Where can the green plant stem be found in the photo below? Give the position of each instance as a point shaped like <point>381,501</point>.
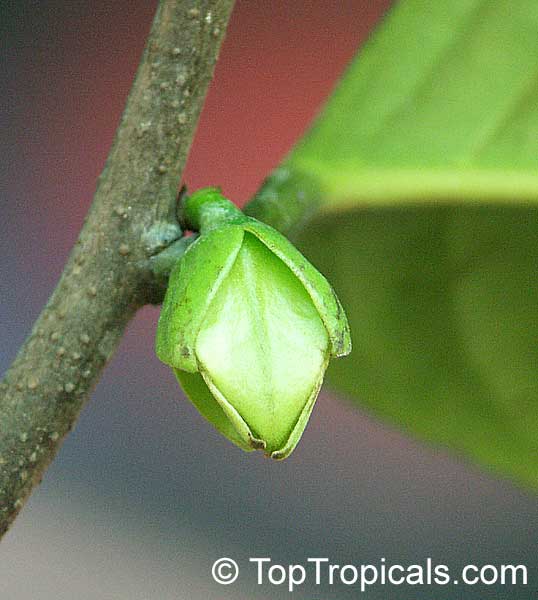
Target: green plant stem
<point>287,199</point>
<point>109,274</point>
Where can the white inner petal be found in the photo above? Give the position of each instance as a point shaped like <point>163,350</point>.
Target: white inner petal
<point>263,342</point>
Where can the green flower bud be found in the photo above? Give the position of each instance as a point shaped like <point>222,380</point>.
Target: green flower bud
<point>248,325</point>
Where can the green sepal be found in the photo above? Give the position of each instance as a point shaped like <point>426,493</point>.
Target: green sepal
<point>198,393</point>
<point>193,283</point>
<point>318,288</point>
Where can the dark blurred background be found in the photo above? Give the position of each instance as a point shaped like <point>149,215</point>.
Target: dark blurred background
<point>144,495</point>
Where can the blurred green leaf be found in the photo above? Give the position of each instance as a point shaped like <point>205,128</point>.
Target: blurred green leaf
<point>428,157</point>
<point>441,104</point>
